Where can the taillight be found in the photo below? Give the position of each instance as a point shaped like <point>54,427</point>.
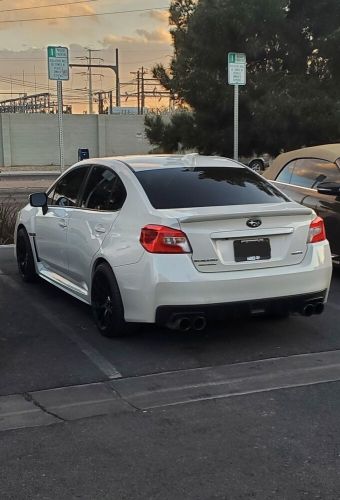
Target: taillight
<point>317,231</point>
<point>162,239</point>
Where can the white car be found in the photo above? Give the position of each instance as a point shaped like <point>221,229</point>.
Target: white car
<point>174,240</point>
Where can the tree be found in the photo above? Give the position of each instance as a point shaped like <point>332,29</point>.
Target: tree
<point>291,97</point>
<point>171,136</point>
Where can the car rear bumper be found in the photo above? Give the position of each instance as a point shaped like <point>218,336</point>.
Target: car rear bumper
<point>171,281</point>
<point>165,315</point>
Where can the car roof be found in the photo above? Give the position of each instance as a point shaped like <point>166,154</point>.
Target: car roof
<point>329,152</point>
<point>150,162</point>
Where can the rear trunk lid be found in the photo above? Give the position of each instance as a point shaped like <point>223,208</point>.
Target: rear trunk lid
<point>244,237</point>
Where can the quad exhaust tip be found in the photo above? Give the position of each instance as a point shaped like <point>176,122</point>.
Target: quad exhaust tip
<point>310,309</point>
<point>187,323</point>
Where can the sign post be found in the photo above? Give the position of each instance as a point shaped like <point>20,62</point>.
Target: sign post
<point>58,69</point>
<point>236,76</point>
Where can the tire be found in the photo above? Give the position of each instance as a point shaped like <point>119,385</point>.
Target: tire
<point>257,166</point>
<point>25,258</point>
<point>107,305</point>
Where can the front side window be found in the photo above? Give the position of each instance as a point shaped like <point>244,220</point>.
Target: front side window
<point>309,172</point>
<point>67,190</point>
<point>104,190</point>
<point>186,187</point>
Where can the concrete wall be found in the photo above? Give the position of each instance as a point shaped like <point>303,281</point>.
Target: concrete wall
<point>33,139</point>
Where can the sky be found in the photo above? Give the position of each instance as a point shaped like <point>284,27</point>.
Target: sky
<point>142,39</point>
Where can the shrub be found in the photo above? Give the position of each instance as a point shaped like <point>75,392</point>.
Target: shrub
<point>8,214</point>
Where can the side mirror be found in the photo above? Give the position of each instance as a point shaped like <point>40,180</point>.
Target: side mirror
<point>330,188</point>
<point>38,200</point>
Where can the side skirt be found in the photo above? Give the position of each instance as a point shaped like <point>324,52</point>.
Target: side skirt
<point>64,284</point>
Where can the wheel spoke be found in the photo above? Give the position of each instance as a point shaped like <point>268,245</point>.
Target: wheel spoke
<point>102,302</point>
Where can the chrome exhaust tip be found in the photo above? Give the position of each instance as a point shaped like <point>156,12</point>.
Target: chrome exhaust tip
<point>199,323</point>
<point>182,324</point>
<point>308,310</point>
<point>319,308</point>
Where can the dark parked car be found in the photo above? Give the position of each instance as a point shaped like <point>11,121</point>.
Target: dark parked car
<point>311,176</point>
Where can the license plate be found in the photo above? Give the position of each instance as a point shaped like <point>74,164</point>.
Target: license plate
<point>252,250</point>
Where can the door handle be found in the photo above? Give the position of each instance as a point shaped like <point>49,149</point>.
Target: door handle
<point>62,223</point>
<point>100,229</point>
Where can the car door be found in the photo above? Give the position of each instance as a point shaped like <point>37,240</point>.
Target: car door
<point>52,226</point>
<point>99,207</point>
<point>300,178</point>
<point>297,179</point>
<point>328,207</point>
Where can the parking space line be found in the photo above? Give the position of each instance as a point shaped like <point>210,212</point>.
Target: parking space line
<point>94,356</point>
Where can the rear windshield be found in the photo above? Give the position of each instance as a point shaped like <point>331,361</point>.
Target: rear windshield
<point>206,187</point>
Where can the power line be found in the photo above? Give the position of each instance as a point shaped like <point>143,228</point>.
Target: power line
<point>46,6</point>
<point>81,15</point>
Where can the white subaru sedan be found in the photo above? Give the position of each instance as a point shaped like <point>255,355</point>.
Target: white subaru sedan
<point>174,240</point>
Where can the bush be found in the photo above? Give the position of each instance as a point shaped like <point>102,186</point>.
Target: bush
<point>8,215</point>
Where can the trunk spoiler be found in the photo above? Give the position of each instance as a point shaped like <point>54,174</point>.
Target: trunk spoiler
<point>247,215</point>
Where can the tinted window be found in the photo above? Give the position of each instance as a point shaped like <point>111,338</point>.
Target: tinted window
<point>104,190</point>
<point>286,173</point>
<point>206,187</point>
<point>309,172</point>
<point>67,190</point>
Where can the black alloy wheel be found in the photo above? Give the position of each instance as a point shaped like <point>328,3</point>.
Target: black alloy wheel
<point>107,306</point>
<point>25,258</point>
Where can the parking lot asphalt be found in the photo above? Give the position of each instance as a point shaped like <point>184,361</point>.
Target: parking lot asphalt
<point>281,445</point>
<point>15,187</point>
<point>48,339</point>
<point>246,410</point>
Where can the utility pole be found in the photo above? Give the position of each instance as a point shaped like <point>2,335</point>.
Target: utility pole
<point>89,65</point>
<point>111,102</point>
<point>138,92</point>
<point>117,79</point>
<point>101,96</point>
<point>90,83</point>
<point>143,92</point>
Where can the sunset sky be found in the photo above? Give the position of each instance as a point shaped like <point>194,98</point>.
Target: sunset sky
<point>142,38</point>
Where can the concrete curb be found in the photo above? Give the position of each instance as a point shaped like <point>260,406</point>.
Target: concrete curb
<point>160,390</point>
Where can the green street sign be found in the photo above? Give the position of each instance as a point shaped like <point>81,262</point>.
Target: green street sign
<point>58,63</point>
<point>237,68</point>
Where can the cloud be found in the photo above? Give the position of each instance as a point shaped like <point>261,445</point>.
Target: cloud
<point>53,11</point>
<point>109,40</point>
<point>158,15</point>
<point>143,36</point>
<point>158,35</point>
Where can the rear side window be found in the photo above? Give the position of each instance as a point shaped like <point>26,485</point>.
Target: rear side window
<point>104,190</point>
<point>206,187</point>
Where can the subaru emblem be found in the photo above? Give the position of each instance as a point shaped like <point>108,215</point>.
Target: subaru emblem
<point>254,223</point>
